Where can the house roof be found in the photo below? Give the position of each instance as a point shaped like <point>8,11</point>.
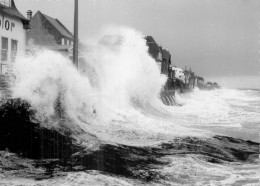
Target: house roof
<point>59,26</point>
<point>153,47</point>
<point>150,39</point>
<point>13,12</point>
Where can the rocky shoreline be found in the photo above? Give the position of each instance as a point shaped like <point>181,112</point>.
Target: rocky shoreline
<point>31,151</point>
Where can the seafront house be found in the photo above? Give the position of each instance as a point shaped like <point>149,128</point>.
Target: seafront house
<point>155,51</point>
<point>13,27</point>
<point>191,79</point>
<point>199,82</point>
<point>48,32</point>
<point>166,62</point>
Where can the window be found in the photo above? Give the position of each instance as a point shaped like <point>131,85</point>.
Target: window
<point>13,49</point>
<point>4,50</point>
<point>3,69</point>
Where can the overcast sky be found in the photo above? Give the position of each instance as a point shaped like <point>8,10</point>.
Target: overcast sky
<point>217,38</point>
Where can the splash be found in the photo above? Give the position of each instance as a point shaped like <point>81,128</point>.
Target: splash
<point>115,94</point>
<point>44,78</point>
<point>118,86</point>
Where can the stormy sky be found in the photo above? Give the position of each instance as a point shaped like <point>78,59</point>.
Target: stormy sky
<point>218,39</point>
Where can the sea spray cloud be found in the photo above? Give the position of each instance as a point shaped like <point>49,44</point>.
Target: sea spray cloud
<point>111,98</point>
<point>122,71</point>
<point>40,79</point>
<point>125,66</point>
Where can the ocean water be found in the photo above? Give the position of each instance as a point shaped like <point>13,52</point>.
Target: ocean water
<point>225,111</point>
<point>115,96</point>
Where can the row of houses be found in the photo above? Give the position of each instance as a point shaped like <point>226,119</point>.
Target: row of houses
<point>178,78</point>
<point>20,35</point>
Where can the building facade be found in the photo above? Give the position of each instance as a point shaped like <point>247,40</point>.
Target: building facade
<point>13,27</point>
<point>155,51</point>
<point>166,62</point>
<point>49,33</point>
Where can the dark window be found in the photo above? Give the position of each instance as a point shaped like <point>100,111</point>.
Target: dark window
<point>13,49</point>
<point>4,50</point>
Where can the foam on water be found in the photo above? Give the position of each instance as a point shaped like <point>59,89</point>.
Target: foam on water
<point>223,107</point>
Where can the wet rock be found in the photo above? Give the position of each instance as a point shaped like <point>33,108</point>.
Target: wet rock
<point>21,133</point>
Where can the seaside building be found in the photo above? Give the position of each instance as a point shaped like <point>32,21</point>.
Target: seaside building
<point>166,62</point>
<point>48,32</point>
<point>155,51</point>
<point>199,82</point>
<point>13,27</point>
<point>179,73</point>
<point>191,79</point>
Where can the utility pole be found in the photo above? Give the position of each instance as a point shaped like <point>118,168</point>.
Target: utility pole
<point>75,42</point>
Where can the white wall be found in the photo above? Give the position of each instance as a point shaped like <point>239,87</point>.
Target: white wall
<point>15,31</point>
<point>179,73</point>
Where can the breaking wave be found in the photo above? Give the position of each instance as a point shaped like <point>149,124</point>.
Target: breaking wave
<point>116,95</point>
<point>117,85</point>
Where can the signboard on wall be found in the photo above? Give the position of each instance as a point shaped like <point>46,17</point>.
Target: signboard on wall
<point>6,24</point>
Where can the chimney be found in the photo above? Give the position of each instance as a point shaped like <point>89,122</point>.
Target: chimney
<point>29,14</point>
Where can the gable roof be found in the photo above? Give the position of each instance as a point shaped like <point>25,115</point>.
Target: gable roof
<point>59,26</point>
<point>13,12</point>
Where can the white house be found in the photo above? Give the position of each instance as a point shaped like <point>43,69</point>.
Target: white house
<point>13,26</point>
<point>179,73</point>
